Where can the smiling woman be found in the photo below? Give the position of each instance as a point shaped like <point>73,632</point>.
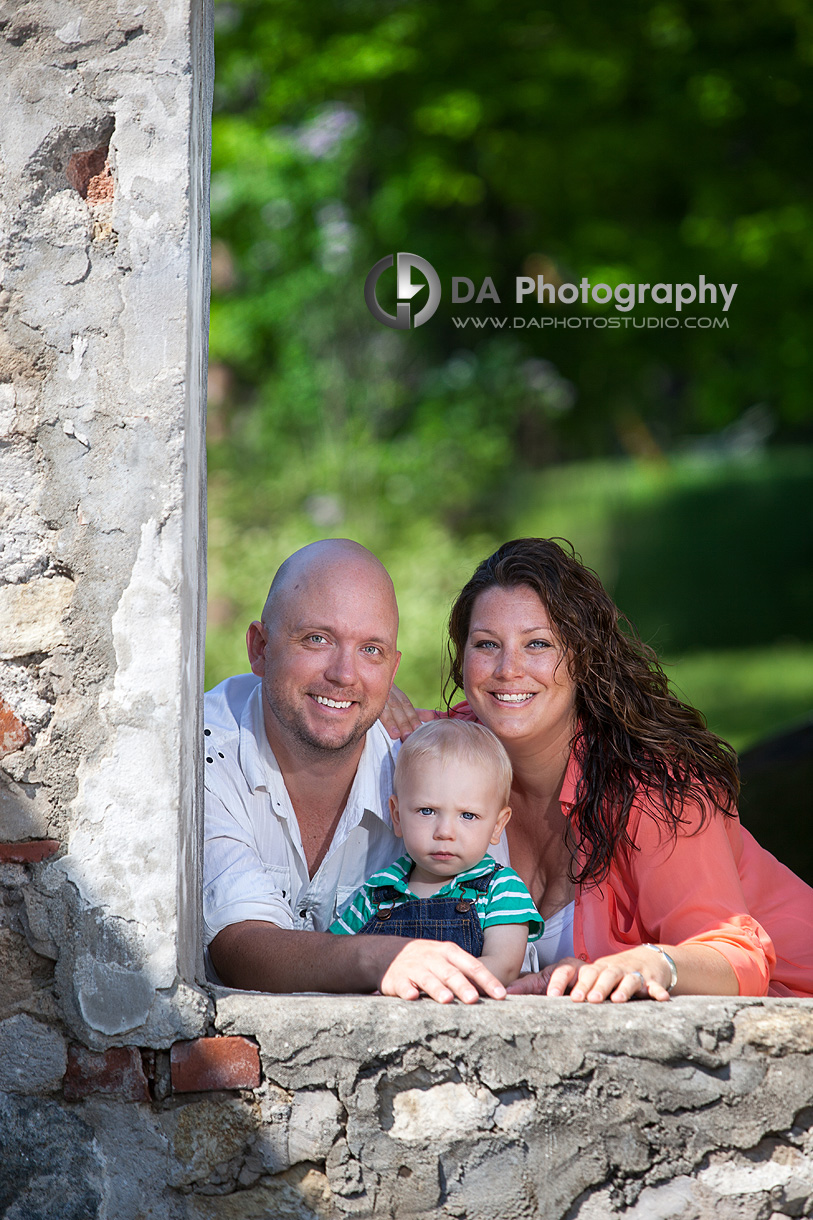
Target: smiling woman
<point>624,803</point>
<point>515,666</point>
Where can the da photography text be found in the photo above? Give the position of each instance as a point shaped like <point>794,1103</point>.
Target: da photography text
<point>623,298</point>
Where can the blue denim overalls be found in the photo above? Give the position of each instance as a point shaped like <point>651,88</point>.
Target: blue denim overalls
<point>448,918</point>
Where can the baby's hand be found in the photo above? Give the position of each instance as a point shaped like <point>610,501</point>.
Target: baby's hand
<point>441,970</point>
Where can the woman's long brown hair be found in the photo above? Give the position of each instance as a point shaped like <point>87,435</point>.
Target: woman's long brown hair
<point>633,735</point>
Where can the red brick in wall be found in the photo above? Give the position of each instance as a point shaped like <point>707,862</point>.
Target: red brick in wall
<point>28,853</point>
<point>13,733</point>
<point>215,1063</point>
<point>116,1073</point>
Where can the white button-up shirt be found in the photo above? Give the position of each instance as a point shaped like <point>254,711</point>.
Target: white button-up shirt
<point>254,866</point>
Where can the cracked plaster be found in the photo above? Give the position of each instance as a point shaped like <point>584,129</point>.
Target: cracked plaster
<point>101,416</point>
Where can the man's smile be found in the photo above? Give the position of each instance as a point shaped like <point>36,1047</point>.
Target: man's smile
<point>341,704</point>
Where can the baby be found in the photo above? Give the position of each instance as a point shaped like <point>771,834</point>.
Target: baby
<point>449,803</point>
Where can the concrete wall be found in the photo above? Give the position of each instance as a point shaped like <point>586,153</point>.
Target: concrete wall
<point>104,223</point>
<point>127,1091</point>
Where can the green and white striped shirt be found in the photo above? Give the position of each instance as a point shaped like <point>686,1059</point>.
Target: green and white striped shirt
<point>506,901</point>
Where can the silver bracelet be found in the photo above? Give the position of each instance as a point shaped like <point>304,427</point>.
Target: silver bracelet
<point>670,963</point>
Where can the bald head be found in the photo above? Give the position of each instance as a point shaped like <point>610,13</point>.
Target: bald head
<point>328,561</point>
<point>326,648</point>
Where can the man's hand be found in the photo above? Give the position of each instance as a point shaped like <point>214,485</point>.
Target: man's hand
<point>441,970</point>
<point>400,717</point>
<point>257,956</point>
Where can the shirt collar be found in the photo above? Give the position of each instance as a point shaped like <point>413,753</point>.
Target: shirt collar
<point>257,760</point>
<point>404,866</point>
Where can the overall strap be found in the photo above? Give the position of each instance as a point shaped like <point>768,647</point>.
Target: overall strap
<point>480,884</point>
<point>384,893</point>
<point>384,898</point>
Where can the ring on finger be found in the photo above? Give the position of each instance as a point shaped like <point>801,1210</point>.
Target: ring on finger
<point>636,974</point>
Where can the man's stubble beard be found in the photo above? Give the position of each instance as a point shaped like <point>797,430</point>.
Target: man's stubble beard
<point>288,717</point>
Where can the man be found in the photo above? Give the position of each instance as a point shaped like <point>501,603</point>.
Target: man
<point>298,776</point>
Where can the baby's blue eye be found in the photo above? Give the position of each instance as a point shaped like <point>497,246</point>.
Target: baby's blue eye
<point>470,817</point>
<point>426,811</point>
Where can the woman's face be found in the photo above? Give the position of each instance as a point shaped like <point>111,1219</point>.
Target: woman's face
<point>515,670</point>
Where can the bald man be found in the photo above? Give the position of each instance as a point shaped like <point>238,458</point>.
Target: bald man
<point>298,776</point>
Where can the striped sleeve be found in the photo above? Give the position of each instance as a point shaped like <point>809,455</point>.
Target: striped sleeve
<point>510,902</point>
<point>354,917</point>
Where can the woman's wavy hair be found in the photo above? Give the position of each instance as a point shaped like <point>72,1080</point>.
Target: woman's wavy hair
<point>632,733</point>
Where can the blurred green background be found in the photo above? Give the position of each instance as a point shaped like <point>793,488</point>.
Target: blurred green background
<point>648,143</point>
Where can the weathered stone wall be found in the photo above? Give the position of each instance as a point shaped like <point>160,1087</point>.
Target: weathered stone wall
<point>336,1107</point>
<point>696,1108</point>
<point>105,123</point>
<point>128,1091</point>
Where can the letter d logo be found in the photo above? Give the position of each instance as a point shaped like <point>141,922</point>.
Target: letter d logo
<point>406,290</point>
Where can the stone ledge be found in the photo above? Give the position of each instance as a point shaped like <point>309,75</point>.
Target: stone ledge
<point>419,1108</point>
<point>679,1028</point>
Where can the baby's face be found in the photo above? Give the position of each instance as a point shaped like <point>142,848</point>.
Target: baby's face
<point>448,814</point>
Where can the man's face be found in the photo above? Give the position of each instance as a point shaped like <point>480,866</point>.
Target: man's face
<point>327,658</point>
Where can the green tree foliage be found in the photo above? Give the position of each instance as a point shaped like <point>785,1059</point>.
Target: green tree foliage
<point>649,142</point>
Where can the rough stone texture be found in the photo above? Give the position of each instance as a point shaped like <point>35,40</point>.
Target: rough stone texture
<point>32,614</point>
<point>698,1108</point>
<point>49,1165</point>
<point>214,1063</point>
<point>118,1072</point>
<point>32,1056</point>
<point>27,976</point>
<point>207,1136</point>
<point>103,238</point>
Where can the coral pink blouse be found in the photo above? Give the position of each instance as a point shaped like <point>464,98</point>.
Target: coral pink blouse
<point>714,887</point>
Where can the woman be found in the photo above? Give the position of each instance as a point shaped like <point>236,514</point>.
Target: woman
<point>624,823</point>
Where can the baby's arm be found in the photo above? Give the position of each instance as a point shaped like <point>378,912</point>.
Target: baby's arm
<point>504,950</point>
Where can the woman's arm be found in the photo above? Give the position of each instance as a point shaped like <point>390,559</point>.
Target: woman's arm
<point>400,717</point>
<point>683,894</point>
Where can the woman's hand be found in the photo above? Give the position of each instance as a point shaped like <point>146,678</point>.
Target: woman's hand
<point>638,974</point>
<point>400,717</point>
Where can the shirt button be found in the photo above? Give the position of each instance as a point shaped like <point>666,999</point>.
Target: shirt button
<point>583,956</point>
<point>302,914</point>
